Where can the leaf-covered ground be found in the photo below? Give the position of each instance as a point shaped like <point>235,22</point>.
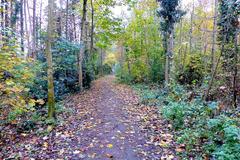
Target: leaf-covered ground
<point>107,122</point>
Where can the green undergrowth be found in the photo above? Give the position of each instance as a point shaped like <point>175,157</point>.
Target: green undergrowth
<point>203,130</point>
<point>39,122</point>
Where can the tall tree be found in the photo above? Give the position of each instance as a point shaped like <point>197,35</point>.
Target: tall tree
<point>191,29</point>
<point>26,26</point>
<point>15,9</point>
<point>92,27</point>
<point>66,23</point>
<point>2,18</point>
<point>170,14</point>
<point>21,25</point>
<point>229,29</point>
<point>228,25</point>
<point>34,30</point>
<point>6,18</point>
<point>214,34</point>
<point>50,29</point>
<point>82,50</point>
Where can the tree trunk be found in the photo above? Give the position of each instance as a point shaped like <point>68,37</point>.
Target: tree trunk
<point>59,28</point>
<point>214,70</point>
<point>50,30</point>
<point>66,24</point>
<point>2,20</point>
<point>40,22</point>
<point>180,49</point>
<point>169,55</point>
<point>191,30</point>
<point>30,27</point>
<point>101,62</point>
<point>34,30</point>
<point>214,35</point>
<point>74,27</point>
<point>6,19</point>
<point>26,26</point>
<point>11,9</point>
<point>235,72</point>
<point>82,50</point>
<point>184,58</point>
<point>21,26</point>
<point>167,72</point>
<point>92,28</point>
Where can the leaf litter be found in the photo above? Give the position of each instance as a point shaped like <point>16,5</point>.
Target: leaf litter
<point>107,122</point>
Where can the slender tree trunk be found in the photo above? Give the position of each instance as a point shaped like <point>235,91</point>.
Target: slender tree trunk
<point>34,30</point>
<point>21,26</point>
<point>2,20</point>
<point>184,58</point>
<point>101,62</point>
<point>59,29</point>
<point>66,24</point>
<point>180,49</point>
<point>167,72</point>
<point>129,66</point>
<point>169,59</point>
<point>121,55</point>
<point>214,35</point>
<point>6,18</point>
<point>235,72</point>
<point>29,31</point>
<point>191,30</point>
<point>205,96</point>
<point>74,27</point>
<point>92,28</point>
<point>205,57</point>
<point>26,26</point>
<point>40,24</point>
<point>37,35</point>
<point>51,101</point>
<point>11,9</point>
<point>82,50</point>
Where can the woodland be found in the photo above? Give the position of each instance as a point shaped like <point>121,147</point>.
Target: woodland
<point>120,79</point>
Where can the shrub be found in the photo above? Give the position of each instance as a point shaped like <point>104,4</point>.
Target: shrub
<point>217,137</point>
<point>193,73</point>
<point>16,75</point>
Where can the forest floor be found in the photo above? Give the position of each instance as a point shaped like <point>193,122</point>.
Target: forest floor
<point>106,122</point>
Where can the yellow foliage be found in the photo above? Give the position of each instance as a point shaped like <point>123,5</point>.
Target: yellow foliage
<point>15,75</point>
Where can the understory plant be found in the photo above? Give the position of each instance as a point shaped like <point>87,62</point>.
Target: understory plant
<point>202,133</point>
<point>197,128</point>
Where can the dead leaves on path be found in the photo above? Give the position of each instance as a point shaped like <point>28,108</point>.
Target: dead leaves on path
<point>106,121</point>
<point>159,142</point>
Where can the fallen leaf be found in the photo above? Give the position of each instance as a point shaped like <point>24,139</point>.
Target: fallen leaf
<point>109,155</point>
<point>45,144</point>
<point>76,152</point>
<point>109,145</point>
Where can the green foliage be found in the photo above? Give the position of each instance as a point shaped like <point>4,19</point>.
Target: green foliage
<point>175,112</point>
<point>16,74</point>
<point>149,96</point>
<point>218,137</point>
<point>122,74</point>
<point>143,56</point>
<point>156,67</point>
<point>170,14</point>
<point>65,71</point>
<point>194,125</point>
<point>193,73</point>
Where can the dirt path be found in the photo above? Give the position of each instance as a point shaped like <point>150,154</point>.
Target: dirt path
<point>106,122</point>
